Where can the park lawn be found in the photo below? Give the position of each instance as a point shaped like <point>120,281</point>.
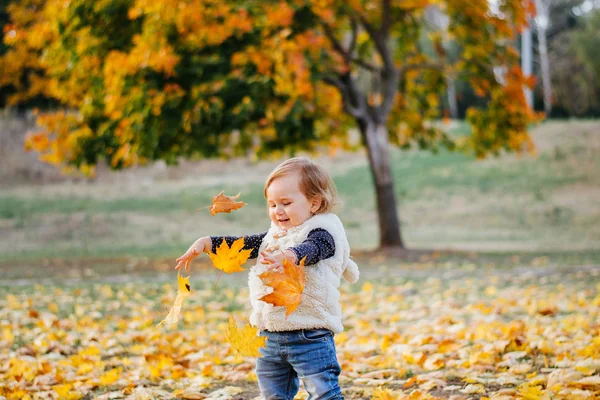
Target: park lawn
<point>511,309</point>
<point>543,204</point>
<point>419,331</point>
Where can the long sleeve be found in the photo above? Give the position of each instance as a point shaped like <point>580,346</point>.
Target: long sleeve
<point>250,242</point>
<point>318,246</point>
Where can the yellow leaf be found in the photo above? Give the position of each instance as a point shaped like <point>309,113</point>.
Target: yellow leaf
<point>183,291</point>
<point>62,390</point>
<point>110,377</point>
<point>245,341</point>
<point>65,391</point>
<point>533,393</point>
<point>230,259</point>
<point>8,335</point>
<point>383,394</point>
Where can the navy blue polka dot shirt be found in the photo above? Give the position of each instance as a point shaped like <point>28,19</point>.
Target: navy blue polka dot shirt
<point>318,246</point>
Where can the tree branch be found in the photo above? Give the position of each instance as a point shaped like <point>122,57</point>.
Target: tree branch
<point>405,68</point>
<point>354,36</point>
<point>347,55</point>
<point>352,101</point>
<point>386,17</point>
<point>380,40</point>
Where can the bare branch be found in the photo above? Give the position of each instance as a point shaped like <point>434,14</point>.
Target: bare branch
<point>379,38</point>
<point>389,83</point>
<point>405,68</point>
<point>353,102</point>
<point>347,55</point>
<point>365,65</point>
<point>334,41</point>
<point>354,36</point>
<point>386,17</point>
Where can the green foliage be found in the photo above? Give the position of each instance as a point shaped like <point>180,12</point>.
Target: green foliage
<point>587,42</point>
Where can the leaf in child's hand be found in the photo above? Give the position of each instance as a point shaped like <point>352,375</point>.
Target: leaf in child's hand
<point>245,341</point>
<point>226,204</point>
<point>230,259</point>
<point>183,291</point>
<point>287,285</point>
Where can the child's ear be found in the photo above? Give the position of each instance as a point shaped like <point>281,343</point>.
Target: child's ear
<point>315,204</point>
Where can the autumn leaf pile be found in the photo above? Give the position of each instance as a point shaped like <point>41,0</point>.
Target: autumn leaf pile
<point>446,332</point>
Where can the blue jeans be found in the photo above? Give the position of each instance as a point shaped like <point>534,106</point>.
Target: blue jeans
<point>308,355</point>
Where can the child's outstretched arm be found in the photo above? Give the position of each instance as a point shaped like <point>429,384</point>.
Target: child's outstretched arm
<point>202,245</point>
<point>209,244</point>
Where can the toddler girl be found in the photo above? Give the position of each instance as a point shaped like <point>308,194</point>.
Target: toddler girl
<point>300,195</point>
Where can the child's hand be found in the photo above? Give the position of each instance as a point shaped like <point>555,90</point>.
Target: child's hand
<point>195,249</point>
<point>274,261</point>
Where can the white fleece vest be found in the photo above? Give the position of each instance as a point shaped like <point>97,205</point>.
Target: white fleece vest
<point>320,306</point>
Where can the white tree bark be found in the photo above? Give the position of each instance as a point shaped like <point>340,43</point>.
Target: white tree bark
<point>526,61</point>
<point>541,25</point>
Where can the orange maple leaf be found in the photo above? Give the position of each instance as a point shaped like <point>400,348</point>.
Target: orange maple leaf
<point>245,341</point>
<point>287,285</point>
<point>226,204</point>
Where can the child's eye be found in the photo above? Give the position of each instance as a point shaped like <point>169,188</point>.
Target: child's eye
<point>286,204</point>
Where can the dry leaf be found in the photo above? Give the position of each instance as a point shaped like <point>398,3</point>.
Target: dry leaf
<point>183,291</point>
<point>590,382</point>
<point>230,259</point>
<point>245,341</point>
<point>384,394</point>
<point>287,285</point>
<point>111,376</point>
<point>226,204</point>
<point>528,392</point>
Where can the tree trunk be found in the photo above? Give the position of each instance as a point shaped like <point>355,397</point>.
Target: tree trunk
<point>526,61</point>
<point>543,50</point>
<point>376,139</point>
<point>452,103</point>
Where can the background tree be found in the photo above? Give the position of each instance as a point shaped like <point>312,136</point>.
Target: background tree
<point>144,80</point>
<point>575,89</point>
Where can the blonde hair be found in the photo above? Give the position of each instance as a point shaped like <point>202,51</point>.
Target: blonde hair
<point>314,181</point>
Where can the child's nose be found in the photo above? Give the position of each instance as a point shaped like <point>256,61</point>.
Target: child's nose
<point>279,210</point>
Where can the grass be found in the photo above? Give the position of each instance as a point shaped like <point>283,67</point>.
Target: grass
<point>546,204</point>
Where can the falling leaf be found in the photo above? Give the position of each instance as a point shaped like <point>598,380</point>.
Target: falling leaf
<point>245,341</point>
<point>226,204</point>
<point>230,259</point>
<point>183,291</point>
<point>287,285</point>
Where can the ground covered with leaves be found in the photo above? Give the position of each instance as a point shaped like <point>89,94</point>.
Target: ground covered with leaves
<point>412,332</point>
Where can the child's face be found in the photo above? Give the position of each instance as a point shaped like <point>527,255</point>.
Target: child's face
<point>288,206</point>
